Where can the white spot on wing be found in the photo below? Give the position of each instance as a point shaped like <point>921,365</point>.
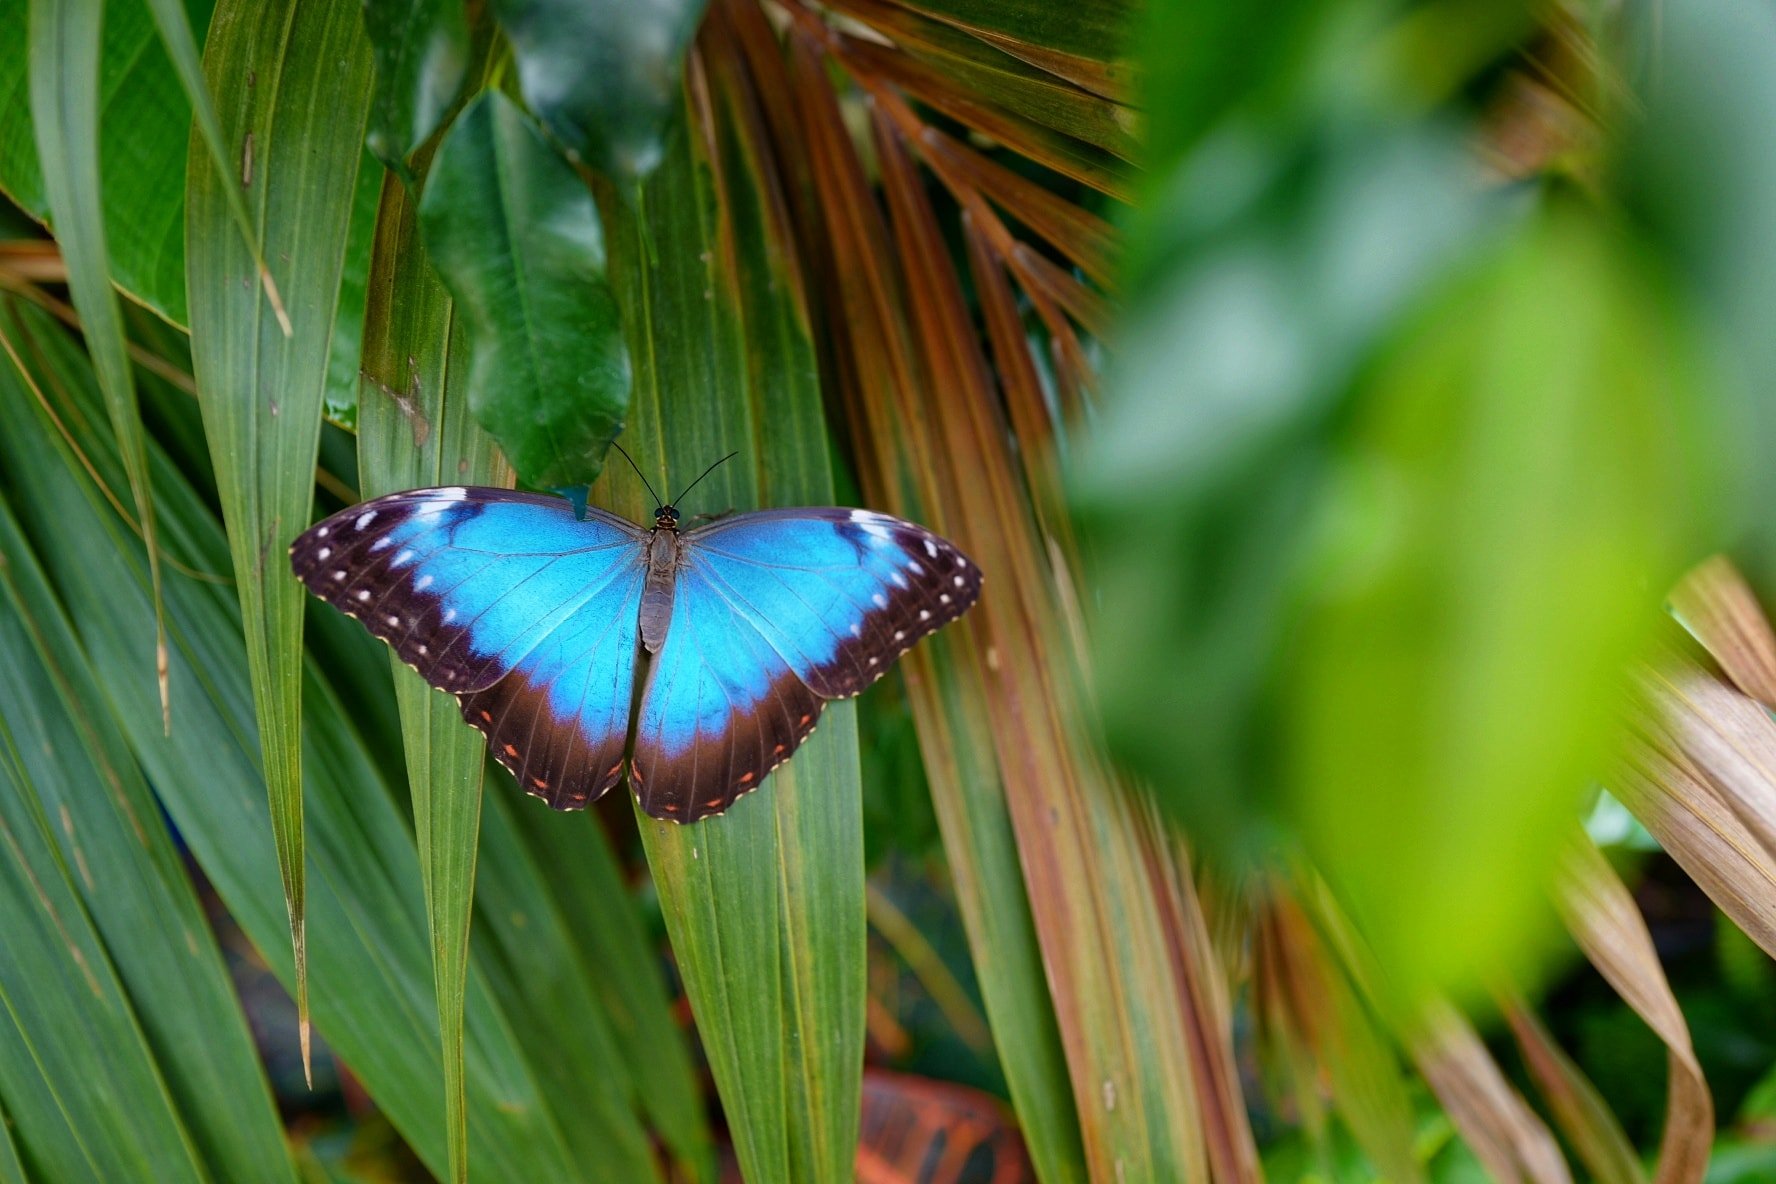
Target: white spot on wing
<point>323,532</point>
<point>931,548</point>
<point>900,581</point>
<point>453,493</point>
<point>365,519</point>
<point>449,615</point>
<point>879,600</point>
<point>382,543</point>
<point>945,598</point>
<point>924,614</point>
<point>339,575</point>
<point>404,555</point>
<point>323,553</point>
<point>422,583</point>
<point>393,620</point>
<point>363,594</point>
<point>958,581</point>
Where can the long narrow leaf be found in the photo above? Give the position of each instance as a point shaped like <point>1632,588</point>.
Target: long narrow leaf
<point>130,879</point>
<point>771,894</point>
<point>946,690</point>
<point>296,78</point>
<point>376,1005</point>
<point>414,431</point>
<point>65,83</point>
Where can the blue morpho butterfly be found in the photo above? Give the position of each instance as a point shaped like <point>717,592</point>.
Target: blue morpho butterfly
<point>697,659</point>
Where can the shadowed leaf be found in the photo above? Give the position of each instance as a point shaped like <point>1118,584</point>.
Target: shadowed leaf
<point>603,75</point>
<point>421,50</point>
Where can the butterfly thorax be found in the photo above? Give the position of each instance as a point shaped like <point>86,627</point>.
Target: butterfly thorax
<point>662,576</point>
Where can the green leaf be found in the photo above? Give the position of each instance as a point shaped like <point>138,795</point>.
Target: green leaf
<point>622,966</point>
<point>1518,486</point>
<point>373,1000</point>
<point>65,84</point>
<point>517,240</point>
<point>74,1067</point>
<point>132,883</point>
<point>771,894</point>
<point>296,83</point>
<point>143,140</point>
<point>415,431</point>
<point>603,75</point>
<point>422,57</point>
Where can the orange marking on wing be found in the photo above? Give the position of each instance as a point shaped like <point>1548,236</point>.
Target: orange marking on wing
<point>511,750</point>
<point>712,803</point>
<point>487,715</point>
<point>806,718</point>
<point>539,783</point>
<point>745,777</point>
<point>777,750</point>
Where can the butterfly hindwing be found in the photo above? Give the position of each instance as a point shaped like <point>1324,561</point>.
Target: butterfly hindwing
<point>774,613</point>
<point>506,600</point>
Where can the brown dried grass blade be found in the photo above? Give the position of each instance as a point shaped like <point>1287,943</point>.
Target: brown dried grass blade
<point>1719,608</point>
<point>1077,233</point>
<point>1065,155</point>
<point>1606,924</point>
<point>1314,1028</point>
<point>911,352</point>
<point>1582,1115</point>
<point>1510,1141</point>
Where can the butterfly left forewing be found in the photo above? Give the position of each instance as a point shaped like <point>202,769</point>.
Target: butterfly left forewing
<point>508,601</point>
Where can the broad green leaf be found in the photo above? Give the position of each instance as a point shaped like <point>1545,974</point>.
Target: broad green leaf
<point>65,87</point>
<point>144,133</point>
<point>422,58</point>
<point>295,85</point>
<point>132,883</point>
<point>603,75</point>
<point>517,240</point>
<point>1194,592</point>
<point>769,895</point>
<point>1517,488</point>
<point>374,1000</point>
<point>1698,169</point>
<point>414,431</point>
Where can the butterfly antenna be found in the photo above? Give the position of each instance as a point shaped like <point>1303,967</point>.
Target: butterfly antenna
<point>730,456</point>
<point>637,468</point>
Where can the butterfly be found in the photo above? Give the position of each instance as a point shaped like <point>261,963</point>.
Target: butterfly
<point>695,661</point>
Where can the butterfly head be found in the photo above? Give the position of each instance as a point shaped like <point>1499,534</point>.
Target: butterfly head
<point>666,518</point>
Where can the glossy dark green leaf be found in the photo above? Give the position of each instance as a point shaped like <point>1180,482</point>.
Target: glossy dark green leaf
<point>517,239</point>
<point>603,75</point>
<point>294,81</point>
<point>421,49</point>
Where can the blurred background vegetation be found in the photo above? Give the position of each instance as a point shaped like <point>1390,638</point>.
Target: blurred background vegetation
<point>1360,766</point>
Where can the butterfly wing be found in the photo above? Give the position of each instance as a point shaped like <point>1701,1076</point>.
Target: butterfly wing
<point>505,600</point>
<point>774,613</point>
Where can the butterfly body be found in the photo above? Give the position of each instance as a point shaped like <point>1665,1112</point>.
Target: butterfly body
<point>693,661</point>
